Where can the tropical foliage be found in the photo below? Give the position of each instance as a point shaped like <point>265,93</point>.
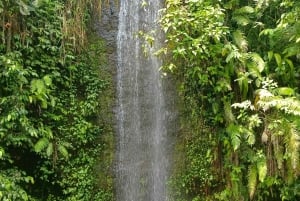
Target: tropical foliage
<point>237,69</point>
<point>237,65</point>
<point>50,131</point>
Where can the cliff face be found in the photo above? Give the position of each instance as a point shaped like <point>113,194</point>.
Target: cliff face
<point>107,28</point>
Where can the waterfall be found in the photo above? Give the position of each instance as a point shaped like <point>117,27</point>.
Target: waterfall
<point>142,160</point>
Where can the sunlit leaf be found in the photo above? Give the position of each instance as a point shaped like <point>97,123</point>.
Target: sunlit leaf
<point>47,80</point>
<point>278,59</point>
<point>41,144</point>
<point>285,91</point>
<point>262,169</point>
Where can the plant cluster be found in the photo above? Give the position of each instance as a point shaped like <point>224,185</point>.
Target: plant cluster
<point>237,66</point>
<point>50,132</point>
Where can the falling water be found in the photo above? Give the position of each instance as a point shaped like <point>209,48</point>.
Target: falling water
<point>142,160</point>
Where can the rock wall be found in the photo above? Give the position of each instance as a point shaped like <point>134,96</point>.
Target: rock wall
<point>107,28</point>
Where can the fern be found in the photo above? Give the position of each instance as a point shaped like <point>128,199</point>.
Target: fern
<point>235,136</point>
<point>229,117</point>
<point>241,20</point>
<point>252,180</point>
<point>250,137</point>
<point>262,168</point>
<point>257,62</point>
<point>41,145</point>
<point>240,40</point>
<point>63,151</point>
<point>50,149</point>
<point>267,100</point>
<point>245,10</point>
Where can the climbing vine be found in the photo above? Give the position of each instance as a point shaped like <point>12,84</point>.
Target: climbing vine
<point>236,62</point>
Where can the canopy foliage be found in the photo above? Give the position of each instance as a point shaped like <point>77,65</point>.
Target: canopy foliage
<point>50,133</point>
<point>237,64</point>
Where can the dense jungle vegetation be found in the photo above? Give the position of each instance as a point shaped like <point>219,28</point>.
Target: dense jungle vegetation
<point>52,78</point>
<point>237,65</point>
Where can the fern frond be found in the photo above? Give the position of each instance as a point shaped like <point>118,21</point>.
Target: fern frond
<point>250,137</point>
<point>229,117</point>
<point>289,105</point>
<point>252,180</point>
<point>240,40</point>
<point>256,62</point>
<point>241,20</point>
<point>262,168</point>
<point>235,136</point>
<point>41,145</point>
<point>63,151</point>
<point>244,10</point>
<point>50,149</point>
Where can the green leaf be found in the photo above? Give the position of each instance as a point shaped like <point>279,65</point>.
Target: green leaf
<point>24,8</point>
<point>252,180</point>
<point>29,179</point>
<point>235,136</point>
<point>47,80</point>
<point>262,169</point>
<point>36,3</point>
<point>49,150</point>
<point>291,51</point>
<point>291,65</point>
<point>245,10</point>
<point>278,59</point>
<point>1,10</point>
<point>285,91</point>
<point>229,117</point>
<point>270,55</point>
<point>37,86</point>
<point>250,138</point>
<point>259,63</point>
<point>240,40</point>
<point>63,151</point>
<point>1,152</point>
<point>242,20</point>
<point>41,144</point>
<point>269,32</point>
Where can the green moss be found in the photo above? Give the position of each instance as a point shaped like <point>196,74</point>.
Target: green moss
<point>98,57</point>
